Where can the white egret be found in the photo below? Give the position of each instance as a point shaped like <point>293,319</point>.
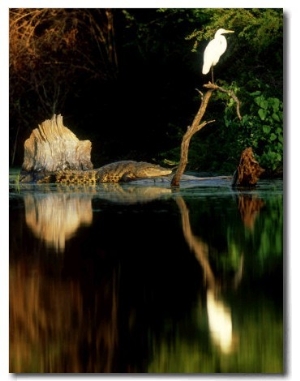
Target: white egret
<point>214,50</point>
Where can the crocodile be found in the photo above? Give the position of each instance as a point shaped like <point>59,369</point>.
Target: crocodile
<point>120,171</point>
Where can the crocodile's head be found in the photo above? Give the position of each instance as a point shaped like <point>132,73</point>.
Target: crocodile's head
<point>151,170</point>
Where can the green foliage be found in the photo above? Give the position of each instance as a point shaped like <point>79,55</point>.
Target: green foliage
<point>261,127</point>
<point>218,147</point>
<point>254,53</point>
<point>255,29</point>
<point>270,136</point>
<point>259,27</point>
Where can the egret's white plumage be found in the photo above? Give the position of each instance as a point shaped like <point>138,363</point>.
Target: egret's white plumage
<point>214,50</point>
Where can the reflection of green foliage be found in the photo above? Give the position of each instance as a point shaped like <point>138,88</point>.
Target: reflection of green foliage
<point>233,257</point>
<point>261,340</point>
<point>222,228</point>
<point>267,239</point>
<point>263,244</point>
<point>259,346</point>
<point>257,321</point>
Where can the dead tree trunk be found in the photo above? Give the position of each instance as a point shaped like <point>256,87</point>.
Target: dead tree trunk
<point>52,147</point>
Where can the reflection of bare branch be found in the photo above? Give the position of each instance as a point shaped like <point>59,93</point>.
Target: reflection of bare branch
<point>199,247</point>
<point>219,314</point>
<point>55,217</point>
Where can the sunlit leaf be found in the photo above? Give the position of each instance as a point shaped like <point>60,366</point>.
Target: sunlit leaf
<point>266,128</point>
<point>262,114</point>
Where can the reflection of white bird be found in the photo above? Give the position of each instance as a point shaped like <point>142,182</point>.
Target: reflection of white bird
<point>214,50</point>
<point>220,322</point>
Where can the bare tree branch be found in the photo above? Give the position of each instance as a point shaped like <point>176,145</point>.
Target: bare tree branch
<point>230,93</point>
<point>197,125</point>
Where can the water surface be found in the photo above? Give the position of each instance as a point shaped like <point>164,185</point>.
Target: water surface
<point>139,278</point>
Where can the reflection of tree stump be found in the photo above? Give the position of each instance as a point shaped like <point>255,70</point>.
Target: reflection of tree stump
<point>55,217</point>
<point>249,207</point>
<point>248,171</point>
<point>53,147</point>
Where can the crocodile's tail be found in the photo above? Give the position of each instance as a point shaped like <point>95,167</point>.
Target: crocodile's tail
<point>71,177</point>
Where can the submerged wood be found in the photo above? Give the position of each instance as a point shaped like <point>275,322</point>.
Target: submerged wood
<point>248,171</point>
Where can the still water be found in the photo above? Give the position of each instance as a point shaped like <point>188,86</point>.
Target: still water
<point>139,278</point>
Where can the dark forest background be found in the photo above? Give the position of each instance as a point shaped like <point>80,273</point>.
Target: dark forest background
<point>126,79</point>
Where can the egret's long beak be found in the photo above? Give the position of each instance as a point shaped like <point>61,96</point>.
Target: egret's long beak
<point>229,31</point>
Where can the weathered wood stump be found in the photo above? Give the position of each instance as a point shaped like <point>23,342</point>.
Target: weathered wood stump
<point>248,171</point>
<point>52,147</point>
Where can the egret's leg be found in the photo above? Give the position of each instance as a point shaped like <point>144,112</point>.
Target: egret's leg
<point>212,74</point>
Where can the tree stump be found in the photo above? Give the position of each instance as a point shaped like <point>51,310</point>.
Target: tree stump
<point>52,147</point>
<point>248,171</point>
